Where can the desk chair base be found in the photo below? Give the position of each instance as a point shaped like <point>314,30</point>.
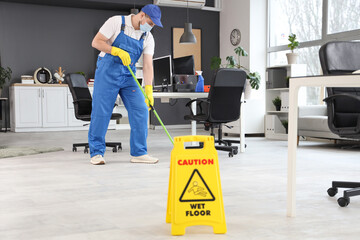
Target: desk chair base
<point>353,191</point>
<point>233,150</point>
<point>114,145</point>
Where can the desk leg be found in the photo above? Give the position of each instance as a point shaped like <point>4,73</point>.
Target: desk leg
<point>292,145</point>
<point>193,123</point>
<point>242,127</point>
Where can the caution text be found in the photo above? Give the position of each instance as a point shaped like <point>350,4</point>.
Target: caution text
<point>196,162</point>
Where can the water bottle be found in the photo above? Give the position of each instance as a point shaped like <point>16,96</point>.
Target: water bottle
<point>200,84</point>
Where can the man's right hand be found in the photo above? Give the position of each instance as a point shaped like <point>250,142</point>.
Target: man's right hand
<point>123,55</point>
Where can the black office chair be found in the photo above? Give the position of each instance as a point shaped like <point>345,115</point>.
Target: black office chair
<point>343,104</point>
<point>83,105</point>
<point>222,105</point>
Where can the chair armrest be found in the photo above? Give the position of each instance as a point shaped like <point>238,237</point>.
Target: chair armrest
<point>331,98</point>
<point>82,100</point>
<point>199,102</point>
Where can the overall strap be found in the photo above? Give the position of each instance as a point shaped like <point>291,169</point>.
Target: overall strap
<point>143,36</point>
<point>123,23</point>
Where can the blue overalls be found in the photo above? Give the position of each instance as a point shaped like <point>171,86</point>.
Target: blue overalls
<point>113,78</point>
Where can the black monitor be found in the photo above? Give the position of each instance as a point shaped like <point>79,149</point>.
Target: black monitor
<point>184,65</point>
<point>162,73</point>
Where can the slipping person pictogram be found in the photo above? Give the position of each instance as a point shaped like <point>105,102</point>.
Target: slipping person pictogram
<point>197,189</point>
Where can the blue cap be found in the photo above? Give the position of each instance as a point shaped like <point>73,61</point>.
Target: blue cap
<point>154,13</point>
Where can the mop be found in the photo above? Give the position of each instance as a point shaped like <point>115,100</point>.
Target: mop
<point>151,106</point>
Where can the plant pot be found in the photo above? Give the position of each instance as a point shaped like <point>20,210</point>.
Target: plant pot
<point>277,107</point>
<point>292,58</point>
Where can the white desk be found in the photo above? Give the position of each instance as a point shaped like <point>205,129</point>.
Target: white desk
<point>295,84</point>
<point>195,95</point>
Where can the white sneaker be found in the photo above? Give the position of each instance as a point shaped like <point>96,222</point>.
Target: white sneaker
<point>144,159</point>
<point>97,160</point>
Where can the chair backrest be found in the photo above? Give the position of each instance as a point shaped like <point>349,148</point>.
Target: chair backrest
<point>338,58</point>
<point>225,95</point>
<point>80,91</point>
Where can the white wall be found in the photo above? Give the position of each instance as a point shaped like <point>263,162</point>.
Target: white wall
<point>249,16</point>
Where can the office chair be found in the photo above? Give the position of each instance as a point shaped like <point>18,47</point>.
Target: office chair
<point>343,104</point>
<point>82,106</point>
<point>221,106</point>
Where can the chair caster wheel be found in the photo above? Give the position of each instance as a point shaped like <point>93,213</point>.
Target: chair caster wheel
<point>114,149</point>
<point>120,148</point>
<point>231,154</point>
<point>86,150</point>
<point>343,201</point>
<point>74,149</point>
<point>235,151</point>
<point>332,191</point>
<point>245,145</point>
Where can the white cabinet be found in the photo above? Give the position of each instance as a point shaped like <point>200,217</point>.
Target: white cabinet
<point>26,107</point>
<point>54,107</point>
<point>36,108</point>
<point>277,86</point>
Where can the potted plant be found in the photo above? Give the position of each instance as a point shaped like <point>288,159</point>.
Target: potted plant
<point>292,57</point>
<point>277,103</point>
<point>232,62</point>
<point>5,74</point>
<point>285,124</point>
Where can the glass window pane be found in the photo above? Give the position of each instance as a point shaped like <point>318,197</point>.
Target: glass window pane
<point>302,17</point>
<point>343,15</point>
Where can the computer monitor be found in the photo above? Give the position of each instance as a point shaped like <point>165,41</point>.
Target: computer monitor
<point>162,73</point>
<point>184,65</point>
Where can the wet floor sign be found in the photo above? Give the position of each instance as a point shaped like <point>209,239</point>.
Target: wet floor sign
<point>195,196</point>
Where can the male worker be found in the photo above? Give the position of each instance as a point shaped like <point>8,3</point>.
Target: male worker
<point>122,40</point>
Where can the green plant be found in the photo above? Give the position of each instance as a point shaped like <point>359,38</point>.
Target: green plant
<point>232,62</point>
<point>277,101</point>
<point>293,43</point>
<point>5,74</point>
<point>82,73</point>
<point>285,124</point>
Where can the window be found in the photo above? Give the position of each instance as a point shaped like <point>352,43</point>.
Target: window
<point>343,15</point>
<point>302,17</point>
<point>314,22</point>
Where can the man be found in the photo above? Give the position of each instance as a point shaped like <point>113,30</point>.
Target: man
<point>122,40</point>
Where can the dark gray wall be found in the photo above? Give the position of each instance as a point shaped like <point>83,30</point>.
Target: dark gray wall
<point>33,36</point>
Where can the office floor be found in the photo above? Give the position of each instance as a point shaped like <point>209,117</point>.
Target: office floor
<point>62,196</point>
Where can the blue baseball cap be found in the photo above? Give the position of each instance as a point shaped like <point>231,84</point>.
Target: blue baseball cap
<point>154,13</point>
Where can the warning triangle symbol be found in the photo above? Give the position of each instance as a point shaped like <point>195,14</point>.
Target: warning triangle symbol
<point>196,189</point>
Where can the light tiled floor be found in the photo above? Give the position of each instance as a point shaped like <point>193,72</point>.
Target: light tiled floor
<point>62,196</point>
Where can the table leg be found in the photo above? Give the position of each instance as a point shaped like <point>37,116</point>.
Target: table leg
<point>242,127</point>
<point>292,145</point>
<point>193,123</point>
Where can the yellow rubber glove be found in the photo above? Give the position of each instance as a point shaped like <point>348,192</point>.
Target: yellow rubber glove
<point>123,55</point>
<point>149,94</point>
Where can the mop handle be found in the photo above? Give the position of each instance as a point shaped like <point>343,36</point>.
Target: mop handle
<point>151,106</point>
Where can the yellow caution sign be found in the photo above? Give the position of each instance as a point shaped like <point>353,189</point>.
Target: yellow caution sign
<point>195,196</point>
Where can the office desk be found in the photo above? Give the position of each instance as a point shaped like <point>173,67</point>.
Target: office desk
<point>295,84</point>
<point>195,95</point>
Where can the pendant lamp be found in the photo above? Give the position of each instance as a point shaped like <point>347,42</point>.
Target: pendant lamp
<point>134,10</point>
<point>188,37</point>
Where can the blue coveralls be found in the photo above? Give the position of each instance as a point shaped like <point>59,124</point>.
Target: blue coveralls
<point>113,78</point>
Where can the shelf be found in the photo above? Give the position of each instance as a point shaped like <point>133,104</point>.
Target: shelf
<point>280,112</point>
<point>277,136</point>
<point>278,89</point>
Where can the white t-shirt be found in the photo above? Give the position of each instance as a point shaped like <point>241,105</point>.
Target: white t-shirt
<point>112,28</point>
